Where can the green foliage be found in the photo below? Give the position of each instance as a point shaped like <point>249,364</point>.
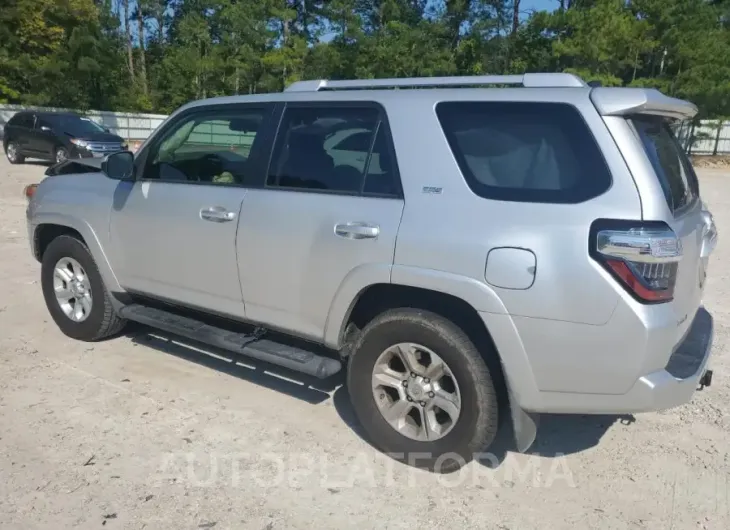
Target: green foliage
<point>154,55</point>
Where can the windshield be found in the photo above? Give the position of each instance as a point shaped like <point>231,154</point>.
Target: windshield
<point>76,125</point>
<point>672,166</point>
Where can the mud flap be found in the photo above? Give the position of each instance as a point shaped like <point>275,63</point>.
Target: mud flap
<point>524,424</point>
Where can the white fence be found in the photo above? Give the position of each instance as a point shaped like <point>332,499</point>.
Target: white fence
<point>711,137</point>
<point>132,127</point>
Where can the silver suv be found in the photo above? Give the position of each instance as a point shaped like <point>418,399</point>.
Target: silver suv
<point>458,243</point>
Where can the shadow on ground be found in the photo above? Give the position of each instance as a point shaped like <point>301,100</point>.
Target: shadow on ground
<point>558,435</point>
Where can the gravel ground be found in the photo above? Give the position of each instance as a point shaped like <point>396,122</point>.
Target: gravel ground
<point>146,432</point>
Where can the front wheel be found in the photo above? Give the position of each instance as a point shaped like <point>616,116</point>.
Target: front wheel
<point>12,151</point>
<point>422,391</point>
<point>75,293</point>
<point>61,155</point>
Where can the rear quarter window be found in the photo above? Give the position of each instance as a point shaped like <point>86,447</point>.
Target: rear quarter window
<point>671,165</point>
<point>21,120</point>
<point>524,151</point>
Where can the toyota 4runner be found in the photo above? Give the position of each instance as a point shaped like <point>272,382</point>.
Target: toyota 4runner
<point>444,238</point>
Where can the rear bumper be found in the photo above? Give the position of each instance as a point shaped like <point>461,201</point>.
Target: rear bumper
<point>663,389</point>
<point>675,385</point>
<point>660,390</point>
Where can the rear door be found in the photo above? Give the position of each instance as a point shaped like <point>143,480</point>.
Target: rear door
<point>34,142</point>
<point>324,214</point>
<point>44,139</point>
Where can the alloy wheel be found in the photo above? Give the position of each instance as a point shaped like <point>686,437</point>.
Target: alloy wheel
<point>73,289</point>
<point>416,392</point>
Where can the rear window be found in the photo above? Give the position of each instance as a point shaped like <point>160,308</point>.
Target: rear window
<point>671,164</point>
<point>524,151</point>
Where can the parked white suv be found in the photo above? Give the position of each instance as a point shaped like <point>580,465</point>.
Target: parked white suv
<point>442,237</point>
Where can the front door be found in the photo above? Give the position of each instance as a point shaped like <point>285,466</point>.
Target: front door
<point>173,230</point>
<point>329,210</point>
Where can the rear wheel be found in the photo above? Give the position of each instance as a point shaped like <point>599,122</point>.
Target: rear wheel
<point>12,151</point>
<point>422,391</point>
<point>75,293</point>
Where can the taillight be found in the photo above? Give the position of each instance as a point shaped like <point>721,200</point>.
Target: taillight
<point>29,191</point>
<point>642,256</point>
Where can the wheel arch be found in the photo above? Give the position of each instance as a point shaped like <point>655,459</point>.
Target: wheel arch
<point>478,296</point>
<point>47,227</point>
<point>47,232</point>
<point>376,298</point>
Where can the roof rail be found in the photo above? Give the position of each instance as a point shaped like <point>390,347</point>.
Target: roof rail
<point>526,80</point>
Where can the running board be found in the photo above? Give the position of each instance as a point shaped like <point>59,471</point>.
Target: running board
<point>250,345</point>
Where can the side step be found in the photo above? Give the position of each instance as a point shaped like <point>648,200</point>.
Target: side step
<point>245,344</point>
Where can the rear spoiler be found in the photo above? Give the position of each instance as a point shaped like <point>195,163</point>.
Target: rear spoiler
<point>624,101</point>
<point>75,165</point>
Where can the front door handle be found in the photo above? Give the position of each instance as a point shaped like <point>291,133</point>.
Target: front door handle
<point>217,214</point>
<point>357,230</point>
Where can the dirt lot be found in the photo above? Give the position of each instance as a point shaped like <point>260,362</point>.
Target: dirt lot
<point>142,432</point>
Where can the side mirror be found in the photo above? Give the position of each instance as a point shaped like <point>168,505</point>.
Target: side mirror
<point>106,129</point>
<point>119,166</point>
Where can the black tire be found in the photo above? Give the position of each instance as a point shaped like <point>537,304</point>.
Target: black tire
<point>14,159</point>
<point>61,152</point>
<point>102,321</point>
<point>476,427</point>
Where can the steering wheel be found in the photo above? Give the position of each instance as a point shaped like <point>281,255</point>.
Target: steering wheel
<point>209,166</point>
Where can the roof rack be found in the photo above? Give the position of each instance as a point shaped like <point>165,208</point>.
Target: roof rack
<point>525,80</point>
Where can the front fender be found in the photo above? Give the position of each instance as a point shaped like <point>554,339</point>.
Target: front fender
<point>91,239</point>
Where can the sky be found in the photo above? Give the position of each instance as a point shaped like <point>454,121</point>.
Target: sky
<point>539,4</point>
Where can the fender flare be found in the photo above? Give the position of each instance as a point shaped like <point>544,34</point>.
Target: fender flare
<point>90,238</point>
<point>477,294</point>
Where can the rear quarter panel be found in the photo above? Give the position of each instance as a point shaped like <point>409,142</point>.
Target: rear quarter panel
<point>562,320</point>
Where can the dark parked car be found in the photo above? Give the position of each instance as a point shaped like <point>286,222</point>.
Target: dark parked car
<point>57,137</point>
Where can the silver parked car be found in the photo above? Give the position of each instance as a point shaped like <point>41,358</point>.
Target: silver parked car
<point>444,238</point>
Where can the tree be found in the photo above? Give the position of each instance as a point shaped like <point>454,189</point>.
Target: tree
<point>155,55</point>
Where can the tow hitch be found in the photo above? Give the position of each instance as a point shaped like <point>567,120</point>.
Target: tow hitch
<point>706,379</point>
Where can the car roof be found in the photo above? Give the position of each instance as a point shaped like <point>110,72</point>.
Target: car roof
<point>548,87</point>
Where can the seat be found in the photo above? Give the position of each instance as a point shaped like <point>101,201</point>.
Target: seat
<point>307,163</point>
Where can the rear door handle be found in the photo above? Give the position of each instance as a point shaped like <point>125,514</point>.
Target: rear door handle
<point>357,230</point>
<point>217,214</point>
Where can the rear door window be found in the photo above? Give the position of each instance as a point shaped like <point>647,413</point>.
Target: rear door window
<point>671,164</point>
<point>334,148</point>
<point>525,151</point>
